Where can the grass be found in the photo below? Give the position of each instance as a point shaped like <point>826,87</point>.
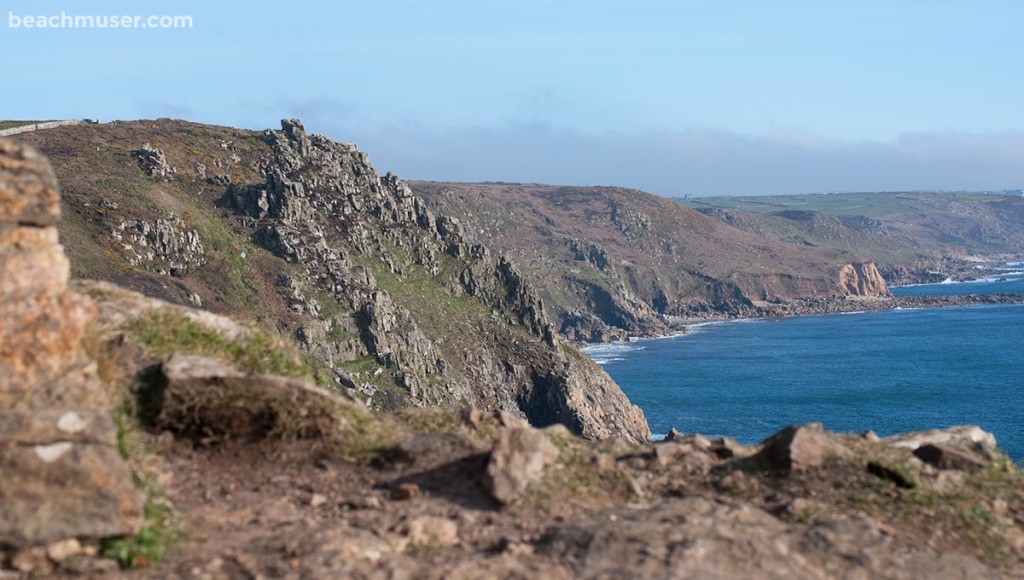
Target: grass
<point>166,333</point>
<point>227,411</point>
<point>224,250</point>
<point>871,204</point>
<point>159,531</point>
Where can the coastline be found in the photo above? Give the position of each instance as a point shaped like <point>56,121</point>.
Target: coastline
<point>819,307</point>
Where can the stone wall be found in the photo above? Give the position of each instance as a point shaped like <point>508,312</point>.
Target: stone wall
<point>37,127</point>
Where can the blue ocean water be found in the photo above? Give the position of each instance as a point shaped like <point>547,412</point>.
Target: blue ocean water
<point>891,371</point>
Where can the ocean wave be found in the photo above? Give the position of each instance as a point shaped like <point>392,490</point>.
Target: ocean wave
<point>1007,275</point>
<point>610,352</point>
<point>611,347</point>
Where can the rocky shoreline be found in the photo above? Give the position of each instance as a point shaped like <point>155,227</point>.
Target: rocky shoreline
<point>822,306</point>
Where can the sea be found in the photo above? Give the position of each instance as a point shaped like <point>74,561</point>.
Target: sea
<point>889,371</point>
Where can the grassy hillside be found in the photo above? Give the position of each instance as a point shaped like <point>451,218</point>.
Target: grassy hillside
<point>611,257</point>
<point>913,236</point>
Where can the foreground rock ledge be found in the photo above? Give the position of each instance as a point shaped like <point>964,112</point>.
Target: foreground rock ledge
<point>62,478</point>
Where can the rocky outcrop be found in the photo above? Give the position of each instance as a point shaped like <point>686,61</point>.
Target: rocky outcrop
<point>205,399</point>
<point>698,538</point>
<point>613,262</point>
<point>517,460</point>
<point>166,246</point>
<point>862,279</point>
<point>369,246</point>
<point>969,436</point>
<point>63,480</point>
<point>154,162</point>
<point>800,447</point>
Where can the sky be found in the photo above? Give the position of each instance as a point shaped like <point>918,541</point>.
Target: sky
<point>701,97</point>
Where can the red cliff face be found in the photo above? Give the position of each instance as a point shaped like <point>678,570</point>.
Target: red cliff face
<point>862,279</point>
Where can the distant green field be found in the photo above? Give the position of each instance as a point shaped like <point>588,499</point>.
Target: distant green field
<point>866,204</point>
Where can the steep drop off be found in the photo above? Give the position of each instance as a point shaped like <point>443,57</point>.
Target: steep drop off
<point>301,233</point>
<point>611,262</point>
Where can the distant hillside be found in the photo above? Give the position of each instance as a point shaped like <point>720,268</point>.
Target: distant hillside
<point>301,234</point>
<point>610,261</point>
<point>912,236</point>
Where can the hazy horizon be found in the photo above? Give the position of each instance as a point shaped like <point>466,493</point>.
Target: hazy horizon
<point>693,97</point>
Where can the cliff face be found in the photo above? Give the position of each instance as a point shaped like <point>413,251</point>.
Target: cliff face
<point>403,306</point>
<point>862,279</point>
<point>610,262</point>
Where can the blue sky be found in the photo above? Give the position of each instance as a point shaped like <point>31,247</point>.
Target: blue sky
<point>698,97</point>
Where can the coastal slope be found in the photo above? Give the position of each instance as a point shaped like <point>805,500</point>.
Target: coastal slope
<point>914,237</point>
<point>301,234</point>
<point>610,262</point>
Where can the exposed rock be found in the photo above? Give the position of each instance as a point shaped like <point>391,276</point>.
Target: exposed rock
<point>800,446</point>
<point>154,162</point>
<point>697,538</point>
<point>432,532</point>
<point>166,246</point>
<point>673,435</point>
<point>60,551</point>
<point>517,460</point>
<point>944,456</point>
<point>404,491</point>
<point>32,561</point>
<point>28,189</point>
<point>862,279</point>
<point>727,447</point>
<point>871,436</point>
<point>969,436</point>
<point>62,476</point>
<point>324,207</point>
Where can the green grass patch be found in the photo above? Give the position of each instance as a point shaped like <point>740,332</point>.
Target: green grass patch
<point>159,530</point>
<point>166,333</point>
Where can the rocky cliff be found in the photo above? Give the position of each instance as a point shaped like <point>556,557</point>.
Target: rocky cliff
<point>249,470</point>
<point>611,262</point>
<point>862,280</point>
<point>401,305</point>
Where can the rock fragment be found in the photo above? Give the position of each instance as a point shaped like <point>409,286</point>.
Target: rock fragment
<point>432,532</point>
<point>945,456</point>
<point>517,460</point>
<point>799,447</point>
